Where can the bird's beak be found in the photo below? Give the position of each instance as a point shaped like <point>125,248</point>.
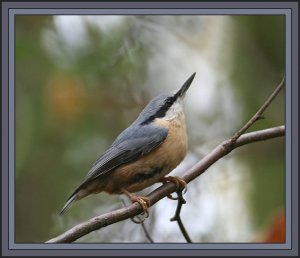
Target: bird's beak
<point>185,86</point>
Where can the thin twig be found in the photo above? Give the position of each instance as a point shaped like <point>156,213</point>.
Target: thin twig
<point>141,222</point>
<point>258,114</point>
<point>134,209</point>
<point>177,217</point>
<point>146,232</point>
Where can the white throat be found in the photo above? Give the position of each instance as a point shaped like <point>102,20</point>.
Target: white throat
<point>174,111</point>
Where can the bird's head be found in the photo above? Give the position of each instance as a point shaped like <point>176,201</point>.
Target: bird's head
<point>165,106</point>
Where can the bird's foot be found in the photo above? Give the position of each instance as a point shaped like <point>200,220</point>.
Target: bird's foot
<point>143,201</point>
<point>179,182</point>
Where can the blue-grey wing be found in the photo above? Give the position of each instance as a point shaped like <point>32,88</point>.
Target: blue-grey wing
<point>130,145</point>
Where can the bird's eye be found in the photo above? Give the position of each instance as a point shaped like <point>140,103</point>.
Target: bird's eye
<point>169,101</point>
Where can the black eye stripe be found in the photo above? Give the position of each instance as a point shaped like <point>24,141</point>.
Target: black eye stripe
<point>161,111</point>
<point>169,101</point>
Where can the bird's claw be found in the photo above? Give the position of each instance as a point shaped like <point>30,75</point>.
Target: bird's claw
<point>144,202</point>
<point>181,185</point>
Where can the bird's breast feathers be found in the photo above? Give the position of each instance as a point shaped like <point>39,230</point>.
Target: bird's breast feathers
<point>150,168</point>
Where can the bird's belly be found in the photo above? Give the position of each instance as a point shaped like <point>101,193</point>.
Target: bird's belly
<point>152,167</point>
<point>142,180</point>
<point>136,177</point>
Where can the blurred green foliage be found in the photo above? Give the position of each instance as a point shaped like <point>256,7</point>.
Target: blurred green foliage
<point>58,111</point>
<point>68,110</point>
<point>258,67</point>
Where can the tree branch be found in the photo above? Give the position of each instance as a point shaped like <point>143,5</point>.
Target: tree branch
<point>166,189</point>
<point>228,146</point>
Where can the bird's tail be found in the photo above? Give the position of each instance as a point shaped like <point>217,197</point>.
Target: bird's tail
<point>72,198</point>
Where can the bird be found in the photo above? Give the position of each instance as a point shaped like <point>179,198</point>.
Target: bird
<point>143,154</point>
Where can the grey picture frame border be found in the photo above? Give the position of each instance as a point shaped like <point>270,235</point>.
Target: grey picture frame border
<point>10,9</point>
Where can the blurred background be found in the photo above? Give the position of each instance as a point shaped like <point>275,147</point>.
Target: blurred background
<point>81,80</point>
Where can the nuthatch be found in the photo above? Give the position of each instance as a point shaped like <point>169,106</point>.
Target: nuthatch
<point>143,154</point>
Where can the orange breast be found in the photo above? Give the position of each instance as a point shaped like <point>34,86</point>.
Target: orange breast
<point>153,166</point>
